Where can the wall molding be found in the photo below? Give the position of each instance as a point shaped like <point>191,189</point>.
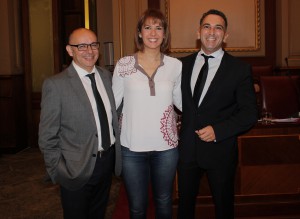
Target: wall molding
<point>242,43</point>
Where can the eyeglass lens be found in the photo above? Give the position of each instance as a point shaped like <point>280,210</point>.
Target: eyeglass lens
<point>83,47</point>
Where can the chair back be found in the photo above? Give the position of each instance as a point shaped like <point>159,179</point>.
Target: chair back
<point>263,70</point>
<point>280,95</point>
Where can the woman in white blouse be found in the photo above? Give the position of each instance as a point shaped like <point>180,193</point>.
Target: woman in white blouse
<point>148,83</point>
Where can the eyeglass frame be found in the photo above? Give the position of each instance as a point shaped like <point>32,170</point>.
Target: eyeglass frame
<point>85,46</point>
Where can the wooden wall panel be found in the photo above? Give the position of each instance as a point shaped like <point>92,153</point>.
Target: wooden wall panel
<point>274,150</point>
<point>268,35</point>
<point>288,33</point>
<point>270,179</point>
<point>240,14</point>
<point>125,17</point>
<point>67,16</point>
<point>71,19</point>
<point>268,174</point>
<point>13,130</point>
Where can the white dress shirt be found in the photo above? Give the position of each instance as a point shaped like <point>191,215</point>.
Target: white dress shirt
<point>88,88</point>
<point>213,64</point>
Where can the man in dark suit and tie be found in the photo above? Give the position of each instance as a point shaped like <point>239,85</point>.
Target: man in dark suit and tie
<point>79,132</point>
<point>217,106</point>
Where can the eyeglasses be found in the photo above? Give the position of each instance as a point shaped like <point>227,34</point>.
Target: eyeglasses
<point>84,46</point>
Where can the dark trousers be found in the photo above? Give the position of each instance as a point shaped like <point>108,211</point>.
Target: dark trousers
<point>91,200</point>
<point>221,183</point>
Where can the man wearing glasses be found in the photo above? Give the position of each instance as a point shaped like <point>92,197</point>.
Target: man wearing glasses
<point>78,132</point>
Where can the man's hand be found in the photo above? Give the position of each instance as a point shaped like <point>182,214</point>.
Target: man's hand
<point>206,134</point>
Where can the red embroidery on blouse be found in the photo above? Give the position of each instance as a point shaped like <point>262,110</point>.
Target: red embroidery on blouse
<point>168,127</point>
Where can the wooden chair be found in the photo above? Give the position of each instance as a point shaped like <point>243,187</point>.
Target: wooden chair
<point>261,70</point>
<point>257,72</point>
<point>280,95</point>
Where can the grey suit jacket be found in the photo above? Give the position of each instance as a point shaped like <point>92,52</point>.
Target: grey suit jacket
<point>67,130</point>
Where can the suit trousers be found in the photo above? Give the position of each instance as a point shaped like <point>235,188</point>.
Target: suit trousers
<point>91,200</point>
<point>221,183</point>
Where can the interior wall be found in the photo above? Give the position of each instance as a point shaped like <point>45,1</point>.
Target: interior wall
<point>116,22</point>
<point>125,16</point>
<point>13,132</point>
<point>104,25</point>
<point>10,38</point>
<point>41,41</point>
<point>288,33</point>
<point>242,42</point>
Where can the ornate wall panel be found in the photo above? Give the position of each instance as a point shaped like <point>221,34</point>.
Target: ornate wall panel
<point>245,25</point>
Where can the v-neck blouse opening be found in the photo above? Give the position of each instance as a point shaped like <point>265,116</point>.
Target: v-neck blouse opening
<point>150,79</point>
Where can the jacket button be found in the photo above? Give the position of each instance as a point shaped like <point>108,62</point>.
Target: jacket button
<point>94,155</point>
<point>96,135</point>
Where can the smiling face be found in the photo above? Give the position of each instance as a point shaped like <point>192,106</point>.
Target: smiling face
<point>212,33</point>
<point>152,34</point>
<point>84,59</point>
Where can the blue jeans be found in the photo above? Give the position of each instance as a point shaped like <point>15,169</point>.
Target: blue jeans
<point>137,171</point>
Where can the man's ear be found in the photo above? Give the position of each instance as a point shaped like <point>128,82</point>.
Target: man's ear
<point>225,37</point>
<point>69,50</point>
<point>198,33</point>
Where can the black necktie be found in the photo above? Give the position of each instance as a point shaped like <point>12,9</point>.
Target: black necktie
<point>201,80</point>
<point>102,114</point>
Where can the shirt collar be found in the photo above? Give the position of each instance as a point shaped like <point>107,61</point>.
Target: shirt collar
<point>216,54</point>
<point>81,72</point>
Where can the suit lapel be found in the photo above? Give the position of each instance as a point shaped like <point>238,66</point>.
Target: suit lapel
<point>188,75</point>
<point>80,91</point>
<point>108,87</point>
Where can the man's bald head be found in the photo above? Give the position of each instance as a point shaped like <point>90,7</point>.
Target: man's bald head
<point>87,57</point>
<point>77,33</point>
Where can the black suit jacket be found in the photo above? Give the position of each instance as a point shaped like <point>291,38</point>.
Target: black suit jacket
<point>229,106</point>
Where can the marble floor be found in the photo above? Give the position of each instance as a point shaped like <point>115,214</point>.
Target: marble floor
<point>24,193</point>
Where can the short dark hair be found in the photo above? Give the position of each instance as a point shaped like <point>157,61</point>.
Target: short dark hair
<point>215,12</point>
<point>157,16</point>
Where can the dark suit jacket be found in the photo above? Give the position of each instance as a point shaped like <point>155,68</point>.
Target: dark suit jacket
<point>68,133</point>
<point>229,106</point>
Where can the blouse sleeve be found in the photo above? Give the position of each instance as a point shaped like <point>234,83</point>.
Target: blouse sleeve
<point>118,86</point>
<point>177,97</point>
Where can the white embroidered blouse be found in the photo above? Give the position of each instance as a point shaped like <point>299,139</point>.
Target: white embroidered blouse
<point>148,119</point>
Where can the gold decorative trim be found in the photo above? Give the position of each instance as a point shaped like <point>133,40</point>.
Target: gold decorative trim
<point>257,46</point>
<point>86,14</point>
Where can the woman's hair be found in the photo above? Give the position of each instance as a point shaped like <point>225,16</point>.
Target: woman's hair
<point>158,17</point>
